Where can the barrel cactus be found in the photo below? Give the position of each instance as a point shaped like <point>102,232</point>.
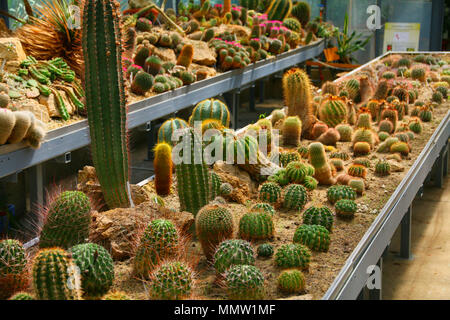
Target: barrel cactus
<point>270,192</point>
<point>244,282</point>
<point>67,221</point>
<point>168,128</point>
<point>319,215</point>
<point>295,197</point>
<point>233,252</point>
<point>302,11</point>
<point>335,193</point>
<point>13,268</point>
<point>256,226</point>
<point>357,170</point>
<point>291,281</point>
<point>263,207</point>
<point>313,236</point>
<point>297,171</point>
<point>333,111</point>
<point>310,183</point>
<point>383,168</point>
<point>265,250</point>
<point>345,132</point>
<point>172,281</point>
<point>415,125</point>
<point>345,208</point>
<point>293,255</point>
<point>96,267</point>
<point>358,185</point>
<point>211,109</point>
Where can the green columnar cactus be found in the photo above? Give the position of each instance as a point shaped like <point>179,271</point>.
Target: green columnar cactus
<point>291,281</point>
<point>213,225</point>
<point>318,159</point>
<point>233,252</point>
<point>310,183</point>
<point>313,236</point>
<point>333,111</point>
<point>295,197</point>
<point>318,215</point>
<point>167,129</point>
<point>345,208</point>
<point>159,241</point>
<point>270,192</point>
<point>143,25</point>
<point>357,170</point>
<point>265,250</point>
<point>106,104</point>
<point>96,267</point>
<point>244,282</point>
<point>211,109</point>
<point>336,193</point>
<point>67,221</point>
<point>21,296</point>
<point>172,281</point>
<point>55,276</point>
<point>256,226</point>
<point>192,173</point>
<point>302,11</point>
<point>292,131</point>
<point>263,207</point>
<point>293,255</point>
<point>216,182</point>
<point>345,131</point>
<point>13,268</point>
<point>383,168</point>
<point>297,171</point>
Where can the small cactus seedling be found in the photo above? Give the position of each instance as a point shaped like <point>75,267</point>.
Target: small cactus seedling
<point>293,255</point>
<point>233,252</point>
<point>244,282</point>
<point>336,193</point>
<point>345,208</point>
<point>313,236</point>
<point>291,282</point>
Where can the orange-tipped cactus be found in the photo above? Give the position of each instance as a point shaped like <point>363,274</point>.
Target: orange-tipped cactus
<point>163,168</point>
<point>186,55</point>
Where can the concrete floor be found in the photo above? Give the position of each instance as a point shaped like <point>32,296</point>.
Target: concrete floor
<point>427,274</point>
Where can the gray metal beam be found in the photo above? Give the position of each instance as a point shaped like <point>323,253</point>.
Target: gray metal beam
<point>405,235</point>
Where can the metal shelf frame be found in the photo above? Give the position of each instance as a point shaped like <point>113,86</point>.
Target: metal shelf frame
<point>17,157</point>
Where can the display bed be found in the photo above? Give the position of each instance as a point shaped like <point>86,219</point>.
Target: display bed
<point>14,158</point>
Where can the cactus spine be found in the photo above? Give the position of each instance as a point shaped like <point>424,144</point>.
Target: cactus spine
<point>163,168</point>
<point>244,282</point>
<point>295,197</point>
<point>256,226</point>
<point>172,281</point>
<point>106,104</point>
<point>13,268</point>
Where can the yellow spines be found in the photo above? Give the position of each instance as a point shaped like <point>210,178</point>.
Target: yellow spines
<point>186,55</point>
<point>163,168</point>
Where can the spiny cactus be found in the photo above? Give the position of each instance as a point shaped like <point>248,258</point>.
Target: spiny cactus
<point>286,157</point>
<point>319,215</point>
<point>279,10</point>
<point>296,172</point>
<point>277,115</point>
<point>159,241</point>
<point>54,276</point>
<point>310,183</point>
<point>265,250</point>
<point>333,111</point>
<point>263,207</point>
<point>67,221</point>
<point>364,120</point>
<point>143,25</point>
<point>388,75</point>
<point>425,114</point>
<point>415,125</point>
<point>318,159</point>
<point>295,197</point>
<point>353,88</point>
<point>163,168</point>
<point>336,193</point>
<point>364,135</point>
<point>270,192</point>
<point>153,65</point>
<point>213,225</point>
<point>400,147</point>
<point>345,132</point>
<point>340,155</point>
<point>22,296</point>
<point>172,281</point>
<point>418,73</point>
<point>106,105</point>
<point>330,88</point>
<point>280,177</point>
<point>357,170</point>
<point>382,135</point>
<point>293,256</point>
<point>244,282</point>
<point>167,129</point>
<point>292,130</point>
<point>211,109</point>
<point>292,24</point>
<point>291,281</point>
<point>302,11</point>
<point>361,148</point>
<point>233,252</point>
<point>13,268</point>
<point>345,208</point>
<point>313,236</point>
<point>382,90</point>
<point>386,145</point>
<point>386,125</point>
<point>256,226</point>
<point>383,168</point>
<point>337,163</point>
<point>142,82</point>
<point>185,57</point>
<point>96,268</point>
<point>358,185</point>
<point>318,129</point>
<point>297,97</point>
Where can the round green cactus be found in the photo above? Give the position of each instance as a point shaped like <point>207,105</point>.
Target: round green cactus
<point>415,125</point>
<point>319,215</point>
<point>291,281</point>
<point>263,207</point>
<point>22,296</point>
<point>270,192</point>
<point>233,252</point>
<point>67,222</point>
<point>213,224</point>
<point>142,82</point>
<point>310,183</point>
<point>345,208</point>
<point>244,282</point>
<point>256,226</point>
<point>143,24</point>
<point>297,171</point>
<point>383,168</point>
<point>383,135</point>
<point>13,268</point>
<point>345,131</point>
<point>211,109</point>
<point>336,193</point>
<point>293,256</point>
<point>295,197</point>
<point>265,250</point>
<point>172,281</point>
<point>314,236</point>
<point>425,114</point>
<point>96,267</point>
<point>279,177</point>
<point>358,185</point>
<point>418,74</point>
<point>287,157</point>
<point>159,241</point>
<point>337,163</point>
<point>167,129</point>
<point>153,66</point>
<point>333,111</point>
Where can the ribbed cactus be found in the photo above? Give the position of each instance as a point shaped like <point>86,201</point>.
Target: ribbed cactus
<point>358,185</point>
<point>345,208</point>
<point>297,171</point>
<point>293,256</point>
<point>333,111</point>
<point>279,9</point>
<point>318,159</point>
<point>364,120</point>
<point>353,88</point>
<point>415,125</point>
<point>263,207</point>
<point>295,197</point>
<point>383,168</point>
<point>159,241</point>
<point>265,250</point>
<point>168,128</point>
<point>400,147</point>
<point>211,109</point>
<point>216,182</point>
<point>244,282</point>
<point>340,155</point>
<point>226,189</point>
<point>67,221</point>
<point>106,104</point>
<point>383,135</point>
<point>364,135</point>
<point>292,24</point>
<point>270,192</point>
<point>302,11</point>
<point>96,267</point>
<point>194,184</point>
<point>256,226</point>
<point>291,281</point>
<point>233,252</point>
<point>55,276</point>
<point>292,131</point>
<point>345,132</point>
<point>386,126</point>
<point>13,268</point>
<point>213,225</point>
<point>425,114</point>
<point>172,281</point>
<point>310,183</point>
<point>297,97</point>
<point>418,73</point>
<point>357,170</point>
<point>336,193</point>
<point>382,90</point>
<point>330,88</point>
<point>319,215</point>
<point>163,167</point>
<point>313,236</point>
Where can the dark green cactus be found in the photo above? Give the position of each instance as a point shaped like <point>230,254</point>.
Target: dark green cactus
<point>335,193</point>
<point>233,252</point>
<point>319,215</point>
<point>142,82</point>
<point>265,250</point>
<point>270,192</point>
<point>96,267</point>
<point>211,109</point>
<point>297,171</point>
<point>67,221</point>
<point>345,208</point>
<point>383,168</point>
<point>293,255</point>
<point>167,129</point>
<point>13,268</point>
<point>216,182</point>
<point>153,65</point>
<point>291,281</point>
<point>256,226</point>
<point>295,197</point>
<point>310,183</point>
<point>314,236</point>
<point>106,104</point>
<point>244,282</point>
<point>172,281</point>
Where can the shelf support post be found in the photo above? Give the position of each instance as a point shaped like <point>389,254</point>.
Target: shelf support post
<point>405,241</point>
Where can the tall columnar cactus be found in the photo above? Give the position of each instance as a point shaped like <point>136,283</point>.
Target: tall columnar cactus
<point>298,99</point>
<point>172,281</point>
<point>213,225</point>
<point>159,241</point>
<point>244,282</point>
<point>216,182</point>
<point>256,226</point>
<point>318,159</point>
<point>163,168</point>
<point>55,276</point>
<point>314,236</point>
<point>96,268</point>
<point>105,99</point>
<point>319,215</point>
<point>293,255</point>
<point>13,268</point>
<point>233,252</point>
<point>194,182</point>
<point>67,221</point>
<point>168,128</point>
<point>292,131</point>
<point>333,111</point>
